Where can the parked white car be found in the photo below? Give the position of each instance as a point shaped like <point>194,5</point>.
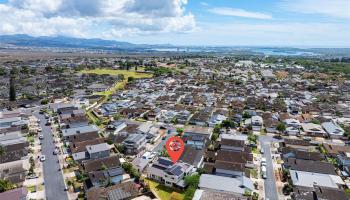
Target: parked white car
<point>262,151</point>
<point>263,162</point>
<point>42,158</point>
<point>263,172</point>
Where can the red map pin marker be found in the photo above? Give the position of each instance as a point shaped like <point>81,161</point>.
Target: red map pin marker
<point>175,146</point>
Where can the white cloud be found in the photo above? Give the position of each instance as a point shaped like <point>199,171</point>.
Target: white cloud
<point>204,3</point>
<point>239,13</point>
<point>333,8</point>
<point>90,18</point>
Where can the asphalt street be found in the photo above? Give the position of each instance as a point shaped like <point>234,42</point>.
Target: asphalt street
<point>161,145</point>
<point>270,181</point>
<point>53,179</point>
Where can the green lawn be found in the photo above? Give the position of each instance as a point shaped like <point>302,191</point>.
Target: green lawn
<point>30,139</point>
<point>31,188</point>
<point>253,173</point>
<point>93,118</point>
<point>115,72</point>
<point>163,192</point>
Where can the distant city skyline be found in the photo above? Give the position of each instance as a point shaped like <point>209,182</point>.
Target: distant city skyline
<point>309,23</point>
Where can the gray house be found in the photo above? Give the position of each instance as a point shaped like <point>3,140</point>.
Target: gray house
<point>70,133</point>
<point>92,152</point>
<point>98,150</point>
<point>333,130</point>
<point>135,143</point>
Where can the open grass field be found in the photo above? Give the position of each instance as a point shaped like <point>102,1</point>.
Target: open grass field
<point>116,72</point>
<point>163,192</point>
<point>118,85</point>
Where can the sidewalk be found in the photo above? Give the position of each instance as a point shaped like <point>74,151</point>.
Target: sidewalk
<point>37,183</point>
<point>62,159</point>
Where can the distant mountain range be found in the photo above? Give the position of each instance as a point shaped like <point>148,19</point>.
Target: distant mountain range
<point>21,40</point>
<point>62,42</point>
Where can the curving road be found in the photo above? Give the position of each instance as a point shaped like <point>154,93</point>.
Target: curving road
<point>53,179</point>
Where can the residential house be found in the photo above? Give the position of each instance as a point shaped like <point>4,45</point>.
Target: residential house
<point>238,186</point>
<point>233,142</point>
<point>15,147</point>
<point>333,130</point>
<point>15,194</point>
<point>140,163</point>
<point>165,171</point>
<point>317,192</point>
<point>310,179</point>
<point>193,156</point>
<point>343,160</point>
<point>166,116</point>
<point>216,119</point>
<point>92,152</point>
<point>183,116</point>
<point>335,150</point>
<point>291,130</point>
<point>135,143</point>
<point>125,190</point>
<point>290,152</point>
<point>309,166</point>
<point>116,126</point>
<point>232,164</point>
<point>201,117</point>
<point>202,194</point>
<point>257,123</point>
<point>71,134</point>
<point>291,122</point>
<point>271,125</point>
<point>104,176</point>
<point>312,129</point>
<point>196,136</point>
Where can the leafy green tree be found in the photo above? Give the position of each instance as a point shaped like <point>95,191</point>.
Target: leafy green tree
<point>2,71</point>
<point>287,189</point>
<point>179,131</point>
<point>255,196</point>
<point>98,122</point>
<point>192,180</point>
<point>281,127</point>
<point>189,193</point>
<point>44,101</point>
<point>315,121</point>
<point>246,115</point>
<point>116,117</point>
<point>164,153</point>
<point>25,70</point>
<point>228,123</point>
<point>131,79</point>
<point>128,168</point>
<point>252,138</point>
<point>214,136</point>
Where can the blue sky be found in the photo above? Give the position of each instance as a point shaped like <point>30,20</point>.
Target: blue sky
<point>302,23</point>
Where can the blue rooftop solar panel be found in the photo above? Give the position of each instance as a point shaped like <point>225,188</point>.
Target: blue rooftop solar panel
<point>164,161</point>
<point>176,170</point>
